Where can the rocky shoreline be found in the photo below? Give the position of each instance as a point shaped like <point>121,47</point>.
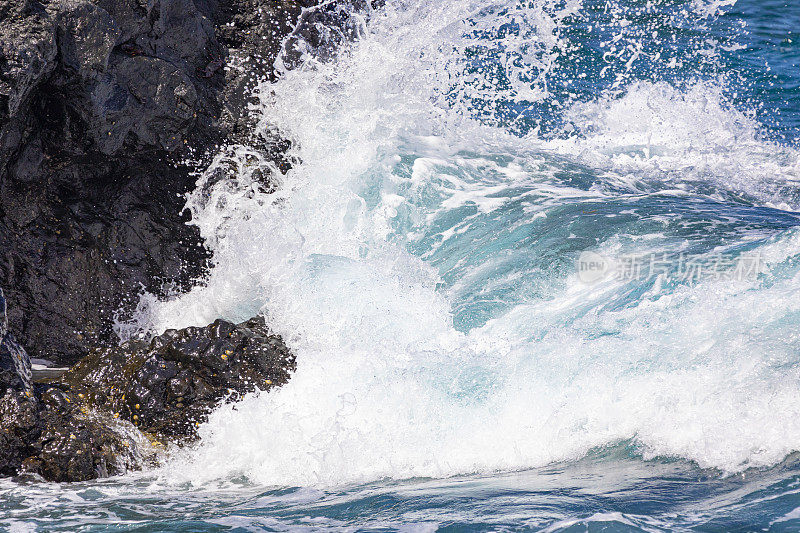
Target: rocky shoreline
<point>102,102</point>
<point>111,412</point>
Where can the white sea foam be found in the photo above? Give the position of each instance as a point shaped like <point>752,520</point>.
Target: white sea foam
<point>656,135</point>
<point>386,386</point>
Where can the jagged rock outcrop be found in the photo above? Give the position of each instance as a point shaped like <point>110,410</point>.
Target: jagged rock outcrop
<point>100,100</point>
<point>167,386</point>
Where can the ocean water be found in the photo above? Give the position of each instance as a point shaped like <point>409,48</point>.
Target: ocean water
<point>539,261</point>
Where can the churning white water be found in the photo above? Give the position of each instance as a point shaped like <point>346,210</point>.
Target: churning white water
<point>419,261</point>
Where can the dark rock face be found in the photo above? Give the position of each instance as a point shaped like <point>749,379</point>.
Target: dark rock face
<point>168,386</point>
<point>82,253</point>
<point>98,101</point>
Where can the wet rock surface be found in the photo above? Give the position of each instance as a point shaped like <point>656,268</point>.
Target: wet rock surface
<point>252,31</point>
<point>79,444</point>
<point>322,29</point>
<point>168,386</point>
<point>99,102</point>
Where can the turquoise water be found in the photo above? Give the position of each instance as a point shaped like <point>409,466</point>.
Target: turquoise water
<point>540,266</point>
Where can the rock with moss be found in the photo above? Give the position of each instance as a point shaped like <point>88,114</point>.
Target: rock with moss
<point>104,416</point>
<point>77,443</point>
<point>166,387</point>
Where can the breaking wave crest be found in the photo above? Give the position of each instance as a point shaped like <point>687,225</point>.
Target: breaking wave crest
<point>454,161</point>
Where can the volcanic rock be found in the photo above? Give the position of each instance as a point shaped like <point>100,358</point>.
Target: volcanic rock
<point>169,385</point>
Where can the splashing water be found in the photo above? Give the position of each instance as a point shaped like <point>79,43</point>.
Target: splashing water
<point>419,259</point>
<point>455,160</point>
